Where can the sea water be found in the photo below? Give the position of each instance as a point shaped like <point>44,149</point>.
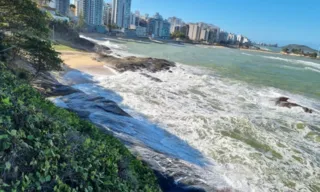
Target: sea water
<point>213,122</point>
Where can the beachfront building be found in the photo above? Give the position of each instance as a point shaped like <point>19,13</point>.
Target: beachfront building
<point>62,6</point>
<point>91,11</point>
<point>157,27</point>
<point>223,37</point>
<point>239,38</point>
<point>107,14</point>
<point>232,38</point>
<point>204,35</point>
<point>214,35</point>
<point>194,32</point>
<point>133,19</point>
<point>184,29</point>
<point>175,23</point>
<point>121,11</point>
<point>141,31</point>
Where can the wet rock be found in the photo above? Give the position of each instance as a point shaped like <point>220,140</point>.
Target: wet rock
<point>82,114</point>
<point>152,78</point>
<point>136,63</point>
<point>49,86</point>
<point>283,102</point>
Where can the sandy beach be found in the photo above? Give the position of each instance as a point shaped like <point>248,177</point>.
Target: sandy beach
<point>84,62</point>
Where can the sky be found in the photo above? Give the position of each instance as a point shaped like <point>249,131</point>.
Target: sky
<point>269,21</point>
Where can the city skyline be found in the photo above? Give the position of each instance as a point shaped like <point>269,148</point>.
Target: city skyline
<point>268,22</point>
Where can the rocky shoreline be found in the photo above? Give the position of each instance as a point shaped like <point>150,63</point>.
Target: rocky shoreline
<point>83,104</point>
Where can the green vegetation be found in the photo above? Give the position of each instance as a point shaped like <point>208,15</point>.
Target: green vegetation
<point>61,47</point>
<point>235,134</point>
<point>178,34</point>
<point>43,147</point>
<point>47,148</point>
<point>300,50</point>
<point>72,6</point>
<point>26,29</point>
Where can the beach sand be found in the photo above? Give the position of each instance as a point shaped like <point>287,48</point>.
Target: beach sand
<point>85,62</point>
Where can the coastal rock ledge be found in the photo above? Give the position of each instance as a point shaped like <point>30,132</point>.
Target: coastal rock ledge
<point>136,63</point>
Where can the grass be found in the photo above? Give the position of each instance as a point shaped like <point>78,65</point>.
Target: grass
<point>61,47</point>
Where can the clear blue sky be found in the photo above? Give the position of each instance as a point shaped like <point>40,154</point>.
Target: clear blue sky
<point>270,21</point>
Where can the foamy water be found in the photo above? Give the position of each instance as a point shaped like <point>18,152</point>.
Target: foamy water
<point>206,129</point>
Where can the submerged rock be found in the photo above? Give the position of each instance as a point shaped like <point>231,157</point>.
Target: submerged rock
<point>152,78</point>
<point>283,102</point>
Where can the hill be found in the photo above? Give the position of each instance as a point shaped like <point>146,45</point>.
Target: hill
<point>304,48</point>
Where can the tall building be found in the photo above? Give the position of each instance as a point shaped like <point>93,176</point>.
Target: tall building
<point>132,19</point>
<point>174,22</point>
<point>223,37</point>
<point>107,14</point>
<point>194,32</point>
<point>91,10</point>
<point>62,6</point>
<point>121,10</point>
<point>214,34</point>
<point>204,35</point>
<point>157,27</point>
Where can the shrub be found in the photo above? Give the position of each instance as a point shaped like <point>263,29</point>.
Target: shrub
<point>45,148</point>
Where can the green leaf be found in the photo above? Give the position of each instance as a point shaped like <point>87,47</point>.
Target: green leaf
<point>48,178</point>
<point>30,137</point>
<point>8,165</point>
<point>6,101</point>
<point>3,137</point>
<point>13,132</point>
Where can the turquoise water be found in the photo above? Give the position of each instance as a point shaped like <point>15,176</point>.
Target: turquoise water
<point>295,74</point>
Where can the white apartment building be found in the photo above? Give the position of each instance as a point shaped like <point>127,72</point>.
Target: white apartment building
<point>121,11</point>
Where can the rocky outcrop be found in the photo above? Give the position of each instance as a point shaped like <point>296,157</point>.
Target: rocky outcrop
<point>49,86</point>
<point>136,63</point>
<point>83,105</point>
<point>283,102</point>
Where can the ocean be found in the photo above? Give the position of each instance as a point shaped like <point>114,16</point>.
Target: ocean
<point>212,122</point>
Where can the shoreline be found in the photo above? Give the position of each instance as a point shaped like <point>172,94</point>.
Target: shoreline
<point>86,62</point>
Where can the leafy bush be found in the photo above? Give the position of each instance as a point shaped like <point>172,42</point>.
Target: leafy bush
<point>45,148</point>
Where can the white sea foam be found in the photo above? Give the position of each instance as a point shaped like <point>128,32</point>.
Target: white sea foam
<point>246,54</point>
<point>312,69</point>
<point>202,110</point>
<point>247,141</point>
<point>295,61</point>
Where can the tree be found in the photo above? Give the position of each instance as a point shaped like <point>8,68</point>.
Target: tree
<point>41,54</point>
<point>72,6</point>
<point>285,49</point>
<point>26,27</point>
<point>81,22</point>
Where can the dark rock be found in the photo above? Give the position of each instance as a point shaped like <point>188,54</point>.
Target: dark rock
<point>136,63</point>
<point>283,102</point>
<point>82,114</point>
<point>111,107</point>
<point>152,78</point>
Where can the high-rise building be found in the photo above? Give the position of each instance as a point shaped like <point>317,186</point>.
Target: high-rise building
<point>174,22</point>
<point>194,32</point>
<point>91,10</point>
<point>62,6</point>
<point>107,14</point>
<point>157,27</point>
<point>204,35</point>
<point>121,10</point>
